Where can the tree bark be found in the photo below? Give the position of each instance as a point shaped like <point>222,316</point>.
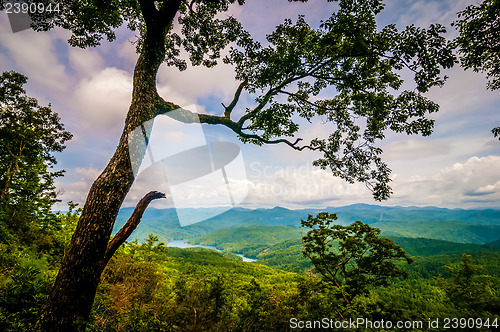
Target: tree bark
<point>122,235</point>
<point>70,301</point>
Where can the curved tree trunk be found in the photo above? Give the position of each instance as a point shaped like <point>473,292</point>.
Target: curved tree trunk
<point>70,302</point>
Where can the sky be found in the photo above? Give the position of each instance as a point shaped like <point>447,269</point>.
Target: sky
<point>458,166</point>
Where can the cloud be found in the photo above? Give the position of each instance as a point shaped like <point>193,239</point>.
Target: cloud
<point>412,149</point>
<point>91,89</point>
<point>473,183</point>
<point>188,86</point>
<point>486,190</point>
<point>103,99</point>
<point>75,187</point>
<point>45,69</point>
<point>85,62</point>
<point>291,186</point>
<point>424,12</point>
<point>454,185</point>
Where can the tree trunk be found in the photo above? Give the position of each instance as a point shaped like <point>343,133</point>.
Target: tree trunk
<point>70,301</point>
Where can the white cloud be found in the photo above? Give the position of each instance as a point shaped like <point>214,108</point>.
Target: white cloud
<point>463,93</point>
<point>469,184</point>
<point>486,190</point>
<point>86,62</point>
<point>90,89</point>
<point>299,186</point>
<point>36,56</point>
<point>425,12</point>
<point>103,99</point>
<point>473,183</point>
<point>77,189</point>
<point>188,86</point>
<point>412,149</point>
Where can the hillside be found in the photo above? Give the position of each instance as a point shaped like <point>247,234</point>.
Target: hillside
<point>457,225</point>
<point>446,230</point>
<point>281,247</point>
<point>250,240</point>
<point>431,256</point>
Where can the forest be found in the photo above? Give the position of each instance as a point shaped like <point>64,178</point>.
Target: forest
<point>148,286</point>
<point>100,263</point>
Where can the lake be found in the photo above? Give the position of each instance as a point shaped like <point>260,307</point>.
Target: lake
<point>183,244</point>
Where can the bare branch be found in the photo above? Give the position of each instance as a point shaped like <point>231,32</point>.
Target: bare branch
<point>130,225</point>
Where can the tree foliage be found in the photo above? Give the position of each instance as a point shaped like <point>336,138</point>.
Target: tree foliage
<point>352,258</point>
<point>479,42</point>
<point>479,39</point>
<point>345,72</point>
<point>468,289</point>
<point>30,134</point>
<point>31,235</point>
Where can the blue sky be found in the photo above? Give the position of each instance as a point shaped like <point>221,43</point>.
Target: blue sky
<point>458,166</point>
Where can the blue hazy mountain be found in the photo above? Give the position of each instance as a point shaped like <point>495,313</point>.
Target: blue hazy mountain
<point>457,225</point>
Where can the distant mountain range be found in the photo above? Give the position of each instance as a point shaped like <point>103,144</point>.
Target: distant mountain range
<point>456,225</point>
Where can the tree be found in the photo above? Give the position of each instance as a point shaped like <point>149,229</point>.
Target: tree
<point>353,257</point>
<point>29,135</point>
<point>346,71</point>
<point>470,291</point>
<point>479,42</point>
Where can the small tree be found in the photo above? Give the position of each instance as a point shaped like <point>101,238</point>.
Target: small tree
<point>351,257</point>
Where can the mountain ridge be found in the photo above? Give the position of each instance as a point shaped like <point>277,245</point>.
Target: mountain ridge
<point>458,225</point>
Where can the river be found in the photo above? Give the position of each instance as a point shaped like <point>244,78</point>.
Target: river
<point>183,244</point>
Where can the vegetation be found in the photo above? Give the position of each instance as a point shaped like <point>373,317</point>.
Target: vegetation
<point>249,241</point>
<point>479,42</point>
<point>346,70</point>
<point>353,257</point>
<point>456,225</point>
<point>479,39</point>
<point>29,135</point>
<point>148,287</point>
<point>32,237</point>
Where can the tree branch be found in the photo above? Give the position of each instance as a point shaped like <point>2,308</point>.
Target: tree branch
<point>130,225</point>
<point>237,94</point>
<point>189,117</point>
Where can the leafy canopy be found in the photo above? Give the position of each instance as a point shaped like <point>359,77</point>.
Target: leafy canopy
<point>347,72</point>
<point>479,42</point>
<point>352,258</point>
<point>29,135</point>
<point>470,290</point>
<point>479,39</point>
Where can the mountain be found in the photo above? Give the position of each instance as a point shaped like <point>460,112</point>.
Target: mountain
<point>494,244</point>
<point>432,247</point>
<point>375,213</point>
<point>457,225</point>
